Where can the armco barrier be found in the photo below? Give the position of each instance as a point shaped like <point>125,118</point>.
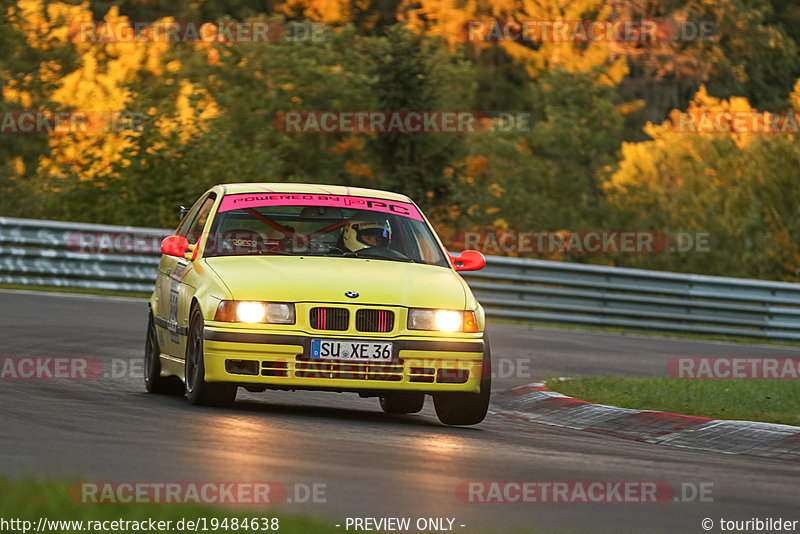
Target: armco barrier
<point>548,291</point>
<point>34,252</point>
<point>53,253</point>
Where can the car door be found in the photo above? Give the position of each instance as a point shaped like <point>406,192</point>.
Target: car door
<point>181,288</point>
<point>171,271</point>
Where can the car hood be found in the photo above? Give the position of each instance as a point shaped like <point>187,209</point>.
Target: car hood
<point>315,279</point>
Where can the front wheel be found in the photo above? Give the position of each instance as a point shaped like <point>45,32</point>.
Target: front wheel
<point>198,391</point>
<point>153,381</point>
<point>461,408</point>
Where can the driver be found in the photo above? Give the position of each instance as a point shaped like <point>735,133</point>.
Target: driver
<point>362,233</point>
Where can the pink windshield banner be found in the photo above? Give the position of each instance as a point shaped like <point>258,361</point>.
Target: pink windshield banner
<point>257,200</point>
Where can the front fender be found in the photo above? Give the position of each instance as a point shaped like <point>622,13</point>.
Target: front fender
<point>203,288</point>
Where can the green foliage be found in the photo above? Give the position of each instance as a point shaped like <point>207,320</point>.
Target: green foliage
<point>411,74</point>
<point>751,51</point>
<point>546,179</point>
<point>749,57</point>
<point>741,188</point>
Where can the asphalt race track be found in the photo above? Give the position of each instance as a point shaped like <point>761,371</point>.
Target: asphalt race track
<point>372,464</point>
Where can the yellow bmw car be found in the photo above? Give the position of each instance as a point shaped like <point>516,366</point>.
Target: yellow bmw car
<point>312,287</point>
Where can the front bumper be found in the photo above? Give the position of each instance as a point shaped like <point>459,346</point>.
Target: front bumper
<point>281,360</point>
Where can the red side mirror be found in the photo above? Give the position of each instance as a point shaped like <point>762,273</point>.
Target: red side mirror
<point>469,260</point>
<point>175,245</point>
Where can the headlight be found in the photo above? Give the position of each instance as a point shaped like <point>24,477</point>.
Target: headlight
<point>442,320</point>
<point>447,321</point>
<point>280,313</point>
<point>242,311</point>
<point>251,312</point>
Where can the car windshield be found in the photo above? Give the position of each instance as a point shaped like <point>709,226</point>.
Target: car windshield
<point>376,229</point>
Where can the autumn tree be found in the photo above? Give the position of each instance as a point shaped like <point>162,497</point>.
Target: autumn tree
<point>741,187</point>
<point>413,74</point>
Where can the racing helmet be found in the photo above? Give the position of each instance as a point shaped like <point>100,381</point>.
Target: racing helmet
<point>363,232</point>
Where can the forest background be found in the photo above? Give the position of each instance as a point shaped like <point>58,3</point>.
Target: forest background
<point>603,152</point>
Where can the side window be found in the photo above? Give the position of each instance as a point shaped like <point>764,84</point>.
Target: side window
<point>196,227</point>
<point>183,227</point>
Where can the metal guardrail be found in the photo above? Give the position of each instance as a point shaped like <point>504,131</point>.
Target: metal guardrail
<point>34,252</point>
<point>62,254</point>
<point>549,291</point>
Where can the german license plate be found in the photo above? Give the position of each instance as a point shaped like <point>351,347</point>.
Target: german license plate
<point>353,350</point>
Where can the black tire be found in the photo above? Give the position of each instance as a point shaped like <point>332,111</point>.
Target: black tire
<point>153,381</point>
<point>198,391</point>
<point>460,408</point>
<point>403,402</point>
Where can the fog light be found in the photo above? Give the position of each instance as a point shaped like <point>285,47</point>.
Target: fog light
<point>241,367</point>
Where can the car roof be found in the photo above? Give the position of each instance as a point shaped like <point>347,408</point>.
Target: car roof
<point>339,190</point>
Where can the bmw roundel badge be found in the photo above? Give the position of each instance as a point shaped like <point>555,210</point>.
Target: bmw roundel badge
<point>351,294</point>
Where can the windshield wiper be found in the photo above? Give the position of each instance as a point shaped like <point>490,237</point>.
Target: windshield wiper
<point>375,257</point>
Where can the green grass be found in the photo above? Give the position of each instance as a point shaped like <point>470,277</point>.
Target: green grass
<point>771,401</point>
<point>34,498</point>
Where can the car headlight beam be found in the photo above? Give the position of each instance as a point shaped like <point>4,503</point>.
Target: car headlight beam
<point>442,320</point>
<point>447,320</point>
<point>251,312</point>
<point>245,311</point>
